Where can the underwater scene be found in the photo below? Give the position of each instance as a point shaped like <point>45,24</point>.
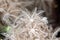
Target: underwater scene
<point>29,20</point>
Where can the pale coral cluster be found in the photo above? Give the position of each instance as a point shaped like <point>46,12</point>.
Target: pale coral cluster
<point>28,26</point>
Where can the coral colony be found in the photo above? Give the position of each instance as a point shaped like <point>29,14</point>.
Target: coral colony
<point>27,26</point>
